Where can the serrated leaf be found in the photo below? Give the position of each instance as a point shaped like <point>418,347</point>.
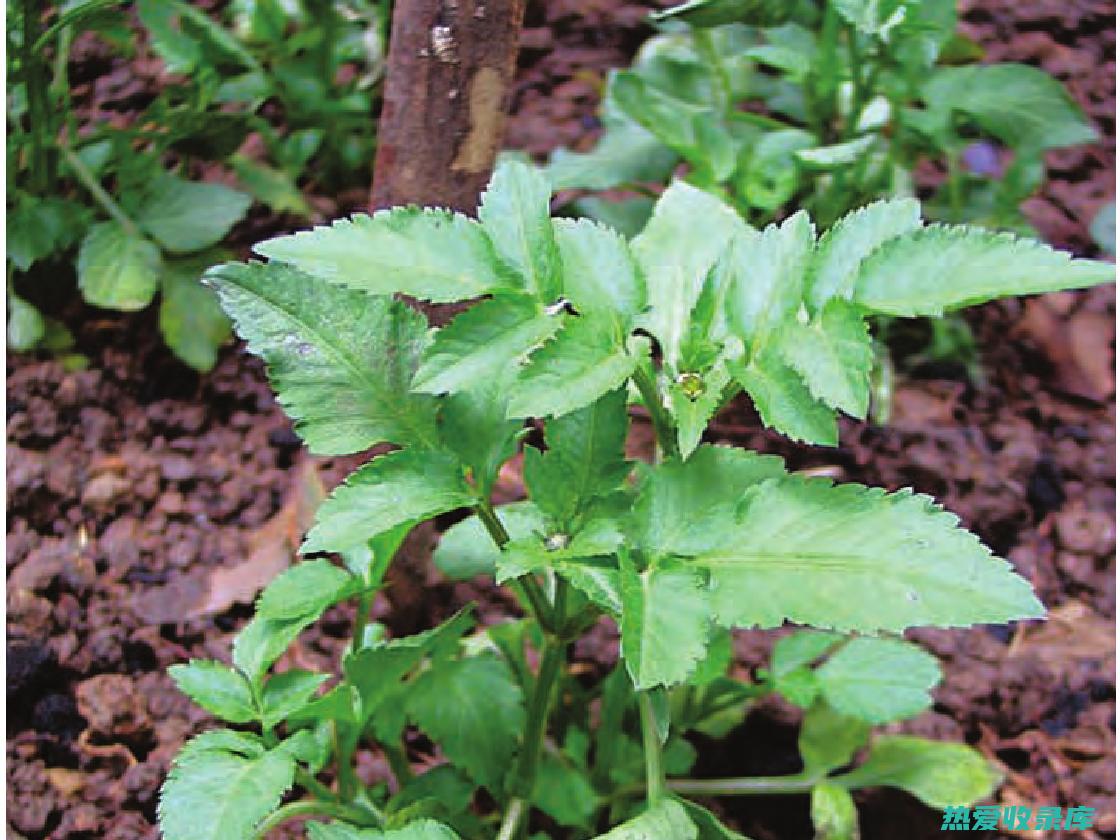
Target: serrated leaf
<point>407,485</point>
<point>340,360</point>
<point>473,425</point>
<point>675,255</point>
<point>833,355</point>
<point>598,271</point>
<point>801,648</point>
<point>514,211</point>
<point>835,262</point>
<point>191,319</point>
<point>217,795</point>
<point>307,588</point>
<point>307,747</point>
<point>185,216</point>
<point>879,680</point>
<point>584,460</point>
<point>466,549</point>
<point>938,774</point>
<point>938,269</point>
<point>587,563</point>
<point>764,276</point>
<point>428,254</point>
<point>481,343</point>
<point>666,819</point>
<point>585,360</point>
<point>834,813</point>
<point>217,688</point>
<point>665,618</point>
<point>1020,105</point>
<point>563,792</point>
<point>872,17</point>
<point>682,507</point>
<point>117,269</point>
<point>340,831</point>
<point>708,824</point>
<point>783,400</point>
<point>473,709</point>
<point>848,557</point>
<point>828,739</point>
<point>285,693</point>
<point>262,641</point>
<point>222,740</point>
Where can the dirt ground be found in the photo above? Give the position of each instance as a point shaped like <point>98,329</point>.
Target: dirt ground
<point>147,504</point>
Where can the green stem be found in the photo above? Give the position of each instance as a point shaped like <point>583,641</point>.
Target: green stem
<point>365,604</point>
<point>511,820</point>
<point>747,786</point>
<point>90,182</point>
<point>313,808</point>
<point>651,747</point>
<point>398,762</point>
<point>662,423</point>
<point>34,75</point>
<point>859,94</point>
<point>706,46</point>
<point>956,196</point>
<point>313,786</point>
<point>347,776</point>
<point>526,586</point>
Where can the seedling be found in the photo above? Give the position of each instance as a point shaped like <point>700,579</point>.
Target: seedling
<point>679,552</point>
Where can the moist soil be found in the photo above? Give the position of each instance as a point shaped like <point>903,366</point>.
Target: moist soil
<point>147,504</point>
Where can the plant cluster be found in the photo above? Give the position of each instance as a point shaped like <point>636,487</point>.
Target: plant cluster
<point>824,105</point>
<point>126,197</point>
<point>574,324</point>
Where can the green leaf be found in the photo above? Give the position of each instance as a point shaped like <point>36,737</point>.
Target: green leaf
<point>222,740</point>
<point>473,425</point>
<point>675,254</point>
<point>709,13</point>
<point>828,739</point>
<point>390,490</point>
<point>938,774</point>
<point>585,360</point>
<point>879,680</point>
<point>306,589</point>
<point>801,648</point>
<point>340,831</point>
<point>429,254</point>
<point>587,562</point>
<point>1022,106</point>
<point>340,360</point>
<point>682,508</point>
<point>466,549</point>
<point>1103,228</point>
<point>270,186</point>
<point>481,343</point>
<point>667,819</point>
<point>771,175</point>
<point>473,709</point>
<point>938,269</point>
<point>835,262</point>
<point>190,318</point>
<point>443,783</point>
<point>834,813</point>
<point>783,400</point>
<point>26,327</point>
<point>765,274</point>
<point>872,17</point>
<point>514,211</point>
<point>218,795</point>
<point>421,830</point>
<point>262,641</point>
<point>833,355</point>
<point>854,558</point>
<point>665,618</point>
<point>285,693</point>
<point>39,227</point>
<point>693,413</point>
<point>179,52</point>
<point>217,688</point>
<point>116,269</point>
<point>598,272</point>
<point>585,459</point>
<point>563,792</point>
<point>708,825</point>
<point>185,216</point>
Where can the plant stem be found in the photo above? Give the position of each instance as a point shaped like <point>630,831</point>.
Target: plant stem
<point>526,585</point>
<point>511,820</point>
<point>310,807</point>
<point>398,762</point>
<point>365,604</point>
<point>706,46</point>
<point>37,105</point>
<point>90,182</point>
<point>315,787</point>
<point>662,423</point>
<point>651,747</point>
<point>956,197</point>
<point>747,786</point>
<point>347,777</point>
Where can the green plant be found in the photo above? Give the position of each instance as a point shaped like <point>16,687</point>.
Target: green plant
<point>823,105</point>
<point>679,552</point>
<point>126,196</point>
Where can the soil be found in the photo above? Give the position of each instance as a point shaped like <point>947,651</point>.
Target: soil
<point>146,503</point>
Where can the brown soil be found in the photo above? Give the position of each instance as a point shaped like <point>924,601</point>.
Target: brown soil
<point>140,493</point>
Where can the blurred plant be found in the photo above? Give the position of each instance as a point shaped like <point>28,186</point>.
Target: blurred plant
<point>126,196</point>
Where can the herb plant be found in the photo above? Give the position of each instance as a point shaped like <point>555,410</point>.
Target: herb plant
<point>121,202</point>
<point>574,323</point>
<point>826,106</point>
